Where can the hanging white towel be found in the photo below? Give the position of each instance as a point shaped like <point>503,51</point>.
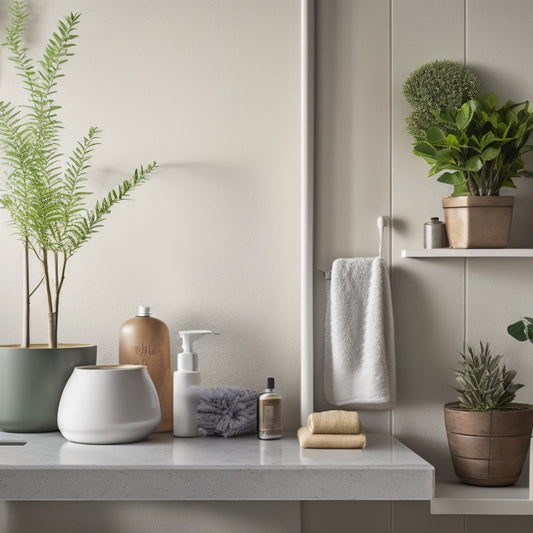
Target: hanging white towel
<point>359,356</point>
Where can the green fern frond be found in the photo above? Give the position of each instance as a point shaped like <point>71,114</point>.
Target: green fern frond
<point>73,193</point>
<point>14,42</point>
<point>94,218</point>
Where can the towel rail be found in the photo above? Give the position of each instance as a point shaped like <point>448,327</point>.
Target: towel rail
<point>382,222</point>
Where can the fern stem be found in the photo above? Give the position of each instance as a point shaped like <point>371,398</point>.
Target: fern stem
<point>52,338</point>
<point>59,286</point>
<point>36,286</point>
<point>25,297</point>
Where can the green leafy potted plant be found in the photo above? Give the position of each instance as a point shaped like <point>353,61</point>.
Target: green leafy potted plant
<point>488,434</point>
<point>477,148</point>
<point>45,194</point>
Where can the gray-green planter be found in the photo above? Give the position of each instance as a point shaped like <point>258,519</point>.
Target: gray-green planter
<point>31,383</point>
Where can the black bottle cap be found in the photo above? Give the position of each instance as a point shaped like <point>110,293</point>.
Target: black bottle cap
<point>270,383</point>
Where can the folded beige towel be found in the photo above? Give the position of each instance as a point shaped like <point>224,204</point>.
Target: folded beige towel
<point>322,440</point>
<point>334,422</point>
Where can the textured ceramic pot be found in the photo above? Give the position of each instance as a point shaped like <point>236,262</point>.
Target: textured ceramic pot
<point>478,221</point>
<point>31,383</point>
<point>108,404</point>
<point>488,448</point>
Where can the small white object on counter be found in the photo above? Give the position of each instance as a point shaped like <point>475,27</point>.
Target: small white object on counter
<point>186,376</point>
<point>108,404</point>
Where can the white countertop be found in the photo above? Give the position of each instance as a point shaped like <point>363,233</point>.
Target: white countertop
<point>47,467</point>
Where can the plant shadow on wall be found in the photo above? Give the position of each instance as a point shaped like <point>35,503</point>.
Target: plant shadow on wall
<point>44,193</point>
<point>472,144</point>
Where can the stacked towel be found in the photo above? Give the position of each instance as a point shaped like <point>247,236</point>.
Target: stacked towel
<point>343,422</point>
<point>359,359</point>
<point>332,429</point>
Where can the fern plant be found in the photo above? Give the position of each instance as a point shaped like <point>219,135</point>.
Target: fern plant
<point>484,384</point>
<point>44,191</point>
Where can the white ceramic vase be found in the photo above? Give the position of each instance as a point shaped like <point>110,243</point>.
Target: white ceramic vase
<point>108,404</point>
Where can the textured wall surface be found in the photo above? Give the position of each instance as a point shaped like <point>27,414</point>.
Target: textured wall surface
<point>210,89</point>
<point>211,242</point>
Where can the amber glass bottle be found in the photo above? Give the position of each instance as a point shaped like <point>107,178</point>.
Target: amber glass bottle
<point>145,340</point>
<point>269,413</point>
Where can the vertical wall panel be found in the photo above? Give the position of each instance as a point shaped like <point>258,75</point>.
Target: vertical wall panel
<point>345,517</point>
<point>499,48</point>
<point>428,295</point>
<point>499,291</point>
<point>352,158</point>
<point>495,524</point>
<point>352,189</point>
<point>414,517</point>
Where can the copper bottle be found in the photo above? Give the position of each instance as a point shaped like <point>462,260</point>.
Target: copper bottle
<point>145,340</point>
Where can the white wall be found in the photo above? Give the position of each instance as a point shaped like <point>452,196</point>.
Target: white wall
<point>212,240</point>
<point>210,89</point>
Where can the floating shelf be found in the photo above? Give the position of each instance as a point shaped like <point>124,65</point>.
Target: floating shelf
<point>453,497</point>
<point>470,252</point>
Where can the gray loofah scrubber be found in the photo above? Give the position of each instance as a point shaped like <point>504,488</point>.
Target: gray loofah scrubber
<point>227,412</point>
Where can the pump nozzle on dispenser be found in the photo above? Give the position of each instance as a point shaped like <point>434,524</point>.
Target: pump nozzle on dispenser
<point>188,337</point>
<point>186,359</point>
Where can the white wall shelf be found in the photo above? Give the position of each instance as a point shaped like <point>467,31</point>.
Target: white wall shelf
<point>454,497</point>
<point>471,252</point>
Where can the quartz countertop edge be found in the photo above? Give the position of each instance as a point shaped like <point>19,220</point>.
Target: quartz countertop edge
<point>47,467</point>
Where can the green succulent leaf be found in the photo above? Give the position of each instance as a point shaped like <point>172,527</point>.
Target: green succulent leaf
<point>484,384</point>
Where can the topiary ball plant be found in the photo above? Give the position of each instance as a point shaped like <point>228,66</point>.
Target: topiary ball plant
<point>434,88</point>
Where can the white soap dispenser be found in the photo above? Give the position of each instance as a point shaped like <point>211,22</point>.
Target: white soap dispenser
<point>186,376</point>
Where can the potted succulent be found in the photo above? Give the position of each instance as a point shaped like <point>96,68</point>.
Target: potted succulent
<point>44,194</point>
<point>477,148</point>
<point>488,434</point>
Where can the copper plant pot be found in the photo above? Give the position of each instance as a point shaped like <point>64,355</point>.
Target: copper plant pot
<point>478,221</point>
<point>488,448</point>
